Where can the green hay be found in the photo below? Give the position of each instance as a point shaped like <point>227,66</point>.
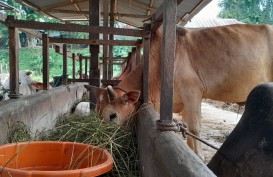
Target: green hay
<point>18,132</point>
<point>119,141</point>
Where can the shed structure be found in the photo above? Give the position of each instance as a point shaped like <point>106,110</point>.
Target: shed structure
<point>145,15</point>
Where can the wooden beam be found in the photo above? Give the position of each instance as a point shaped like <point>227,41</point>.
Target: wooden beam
<point>45,62</point>
<point>34,33</point>
<point>80,59</point>
<point>75,28</point>
<point>82,12</point>
<point>86,66</point>
<point>105,37</point>
<point>151,5</point>
<point>94,72</point>
<point>73,66</point>
<point>158,16</point>
<point>129,15</point>
<point>14,62</point>
<point>133,60</point>
<point>141,5</point>
<point>146,53</point>
<point>31,32</point>
<point>167,64</point>
<point>114,63</point>
<point>78,8</point>
<point>62,4</point>
<point>65,76</point>
<point>59,49</point>
<point>86,12</point>
<point>34,6</point>
<point>95,42</point>
<point>111,37</point>
<point>81,80</point>
<point>138,55</point>
<point>115,58</point>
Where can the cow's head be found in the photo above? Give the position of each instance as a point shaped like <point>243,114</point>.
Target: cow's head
<point>115,105</point>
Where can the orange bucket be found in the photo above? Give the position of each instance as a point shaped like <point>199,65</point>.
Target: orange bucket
<point>53,159</point>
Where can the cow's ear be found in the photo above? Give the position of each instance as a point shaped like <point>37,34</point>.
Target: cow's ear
<point>93,89</point>
<point>131,96</point>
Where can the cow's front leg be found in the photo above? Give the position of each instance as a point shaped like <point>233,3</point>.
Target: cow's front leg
<point>192,116</point>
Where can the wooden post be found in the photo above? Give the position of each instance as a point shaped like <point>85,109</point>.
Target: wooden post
<point>80,72</point>
<point>146,54</point>
<point>94,73</point>
<point>105,37</point>
<point>45,62</point>
<point>133,61</point>
<point>138,49</point>
<point>167,65</point>
<point>65,76</point>
<point>13,62</point>
<point>85,69</point>
<point>111,37</point>
<point>73,66</point>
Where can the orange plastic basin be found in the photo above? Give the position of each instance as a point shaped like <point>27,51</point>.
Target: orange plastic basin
<point>53,159</point>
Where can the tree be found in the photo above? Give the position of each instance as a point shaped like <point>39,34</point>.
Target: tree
<point>248,11</point>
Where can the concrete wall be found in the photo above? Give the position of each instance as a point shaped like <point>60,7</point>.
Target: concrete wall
<point>165,154</point>
<point>39,111</point>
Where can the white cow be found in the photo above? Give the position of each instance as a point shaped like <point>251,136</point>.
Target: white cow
<point>82,109</point>
<point>26,86</point>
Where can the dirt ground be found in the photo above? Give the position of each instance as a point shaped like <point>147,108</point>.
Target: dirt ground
<point>218,120</point>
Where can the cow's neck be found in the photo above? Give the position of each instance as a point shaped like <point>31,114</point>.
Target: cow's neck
<point>134,79</point>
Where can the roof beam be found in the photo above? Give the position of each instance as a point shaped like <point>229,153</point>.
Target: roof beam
<point>130,15</point>
<point>75,28</point>
<point>95,42</point>
<point>158,16</point>
<point>63,4</point>
<point>151,5</point>
<point>68,11</point>
<point>78,8</point>
<point>86,12</point>
<point>33,6</point>
<point>141,5</point>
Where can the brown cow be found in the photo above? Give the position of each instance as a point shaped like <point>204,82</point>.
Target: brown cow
<point>221,63</point>
<point>130,65</point>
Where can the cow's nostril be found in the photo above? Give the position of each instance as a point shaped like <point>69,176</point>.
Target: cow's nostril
<point>113,116</point>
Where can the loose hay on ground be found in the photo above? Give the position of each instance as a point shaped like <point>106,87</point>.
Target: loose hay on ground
<point>119,141</point>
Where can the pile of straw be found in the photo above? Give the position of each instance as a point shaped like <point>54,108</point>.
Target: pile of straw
<point>119,141</point>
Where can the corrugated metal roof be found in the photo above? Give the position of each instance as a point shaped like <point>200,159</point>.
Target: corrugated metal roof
<point>211,22</point>
<point>76,10</point>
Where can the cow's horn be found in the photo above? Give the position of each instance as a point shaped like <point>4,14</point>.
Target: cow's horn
<point>111,93</point>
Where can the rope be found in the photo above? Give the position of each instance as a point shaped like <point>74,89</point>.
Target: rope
<point>179,126</point>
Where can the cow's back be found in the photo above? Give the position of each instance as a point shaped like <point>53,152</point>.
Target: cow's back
<point>229,61</point>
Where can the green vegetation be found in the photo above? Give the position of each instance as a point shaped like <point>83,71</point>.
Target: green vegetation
<point>121,142</point>
<point>248,11</point>
<point>30,59</point>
